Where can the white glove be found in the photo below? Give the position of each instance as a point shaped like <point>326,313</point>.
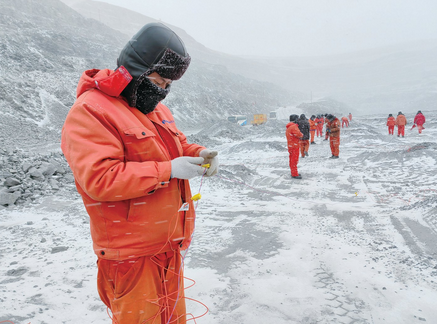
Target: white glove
<point>210,157</point>
<point>186,167</point>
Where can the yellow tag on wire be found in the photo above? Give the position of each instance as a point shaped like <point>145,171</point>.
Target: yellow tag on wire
<point>206,165</point>
<point>196,197</point>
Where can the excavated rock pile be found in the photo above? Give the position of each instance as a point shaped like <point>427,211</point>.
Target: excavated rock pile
<point>26,177</point>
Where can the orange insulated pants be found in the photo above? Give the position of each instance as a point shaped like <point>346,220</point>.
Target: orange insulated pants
<point>335,145</point>
<point>293,159</point>
<point>401,130</point>
<point>145,290</point>
<point>304,145</point>
<point>391,129</point>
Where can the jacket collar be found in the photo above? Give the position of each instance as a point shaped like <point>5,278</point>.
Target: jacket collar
<point>109,82</point>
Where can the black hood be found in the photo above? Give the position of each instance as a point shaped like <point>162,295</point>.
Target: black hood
<point>155,48</point>
<point>294,118</point>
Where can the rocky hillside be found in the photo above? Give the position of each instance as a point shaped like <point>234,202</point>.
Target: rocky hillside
<point>44,48</point>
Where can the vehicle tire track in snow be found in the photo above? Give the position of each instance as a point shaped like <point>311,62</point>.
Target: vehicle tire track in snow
<point>341,308</point>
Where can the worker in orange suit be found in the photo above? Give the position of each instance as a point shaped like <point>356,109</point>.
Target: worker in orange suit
<point>391,122</point>
<point>319,129</point>
<point>334,135</point>
<point>350,117</point>
<point>401,121</point>
<point>419,120</point>
<point>132,165</point>
<point>294,136</point>
<point>344,121</point>
<point>313,127</point>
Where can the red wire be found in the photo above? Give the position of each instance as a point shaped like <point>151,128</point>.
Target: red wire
<point>163,301</point>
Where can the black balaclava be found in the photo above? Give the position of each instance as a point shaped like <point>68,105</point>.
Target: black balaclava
<point>330,117</point>
<point>390,115</point>
<point>302,116</point>
<point>313,117</point>
<point>294,118</point>
<point>155,48</point>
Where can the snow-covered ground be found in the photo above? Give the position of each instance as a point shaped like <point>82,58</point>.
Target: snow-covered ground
<point>354,241</point>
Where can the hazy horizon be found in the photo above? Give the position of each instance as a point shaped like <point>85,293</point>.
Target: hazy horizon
<point>281,28</point>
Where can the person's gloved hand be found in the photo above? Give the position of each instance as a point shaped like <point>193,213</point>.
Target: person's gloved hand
<point>186,167</point>
<point>210,157</point>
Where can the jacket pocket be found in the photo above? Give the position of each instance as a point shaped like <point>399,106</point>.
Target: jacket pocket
<point>115,211</point>
<point>140,144</point>
<point>139,132</point>
<point>136,207</point>
<point>126,277</point>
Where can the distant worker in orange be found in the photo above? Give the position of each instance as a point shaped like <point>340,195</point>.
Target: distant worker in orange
<point>391,122</point>
<point>419,120</point>
<point>304,127</point>
<point>334,135</point>
<point>350,117</point>
<point>294,136</point>
<point>401,121</point>
<point>313,127</point>
<point>319,129</point>
<point>344,121</point>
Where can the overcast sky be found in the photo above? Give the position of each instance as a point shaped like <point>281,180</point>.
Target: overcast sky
<point>294,27</point>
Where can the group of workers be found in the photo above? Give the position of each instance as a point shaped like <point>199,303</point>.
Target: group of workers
<point>400,121</point>
<point>300,132</point>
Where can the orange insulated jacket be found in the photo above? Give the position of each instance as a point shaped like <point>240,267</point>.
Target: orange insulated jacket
<point>120,159</point>
<point>293,135</point>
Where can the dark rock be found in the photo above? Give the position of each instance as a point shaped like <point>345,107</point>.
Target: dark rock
<point>16,272</point>
<point>58,249</point>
